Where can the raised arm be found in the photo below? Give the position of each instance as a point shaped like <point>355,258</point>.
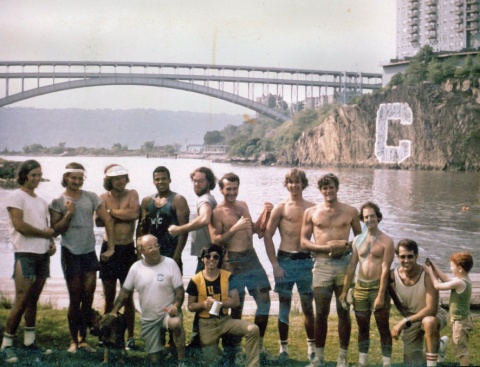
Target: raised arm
<point>350,273</point>
<point>261,224</point>
<point>143,213</point>
<point>183,215</point>
<point>202,220</point>
<point>444,285</point>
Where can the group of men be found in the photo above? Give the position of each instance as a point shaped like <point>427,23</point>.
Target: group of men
<point>313,253</point>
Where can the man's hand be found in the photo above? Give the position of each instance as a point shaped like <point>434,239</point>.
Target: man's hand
<point>278,272</point>
<point>172,310</point>
<point>173,230</point>
<point>70,206</point>
<point>52,248</point>
<point>207,304</point>
<point>397,329</point>
<point>338,248</point>
<point>242,223</point>
<point>379,303</point>
<point>106,255</point>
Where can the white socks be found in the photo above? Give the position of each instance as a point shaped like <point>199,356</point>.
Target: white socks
<point>284,346</point>
<point>363,358</point>
<point>28,336</point>
<point>7,341</point>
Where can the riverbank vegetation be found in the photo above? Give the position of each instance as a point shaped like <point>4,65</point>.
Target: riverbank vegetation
<point>52,332</point>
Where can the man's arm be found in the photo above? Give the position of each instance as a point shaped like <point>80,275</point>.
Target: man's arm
<point>183,214</point>
<point>356,226</point>
<point>177,304</point>
<point>260,225</point>
<point>388,255</point>
<point>307,231</point>
<point>109,228</point>
<point>393,294</point>
<point>202,220</point>
<point>350,273</point>
<point>143,211</point>
<point>131,212</point>
<point>216,228</point>
<point>442,285</point>
<point>272,226</point>
<point>16,216</point>
<point>121,298</point>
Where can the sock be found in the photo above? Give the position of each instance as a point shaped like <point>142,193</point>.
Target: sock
<point>320,353</point>
<point>260,343</point>
<point>386,361</point>
<point>342,353</point>
<point>28,335</point>
<point>363,358</point>
<point>284,346</point>
<point>432,359</point>
<point>7,341</point>
<point>310,346</point>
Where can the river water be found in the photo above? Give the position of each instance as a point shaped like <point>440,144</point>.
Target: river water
<point>423,205</point>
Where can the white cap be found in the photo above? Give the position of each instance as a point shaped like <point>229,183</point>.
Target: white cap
<point>116,171</point>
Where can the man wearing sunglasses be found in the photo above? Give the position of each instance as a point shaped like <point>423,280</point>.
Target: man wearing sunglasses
<point>205,290</point>
<point>417,300</point>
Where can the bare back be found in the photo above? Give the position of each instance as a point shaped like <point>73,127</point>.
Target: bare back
<point>126,209</point>
<point>290,216</point>
<point>225,216</point>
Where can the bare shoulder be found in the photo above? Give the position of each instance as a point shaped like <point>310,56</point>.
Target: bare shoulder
<point>308,204</point>
<point>349,209</point>
<point>132,193</point>
<point>145,201</point>
<point>104,195</point>
<point>179,199</point>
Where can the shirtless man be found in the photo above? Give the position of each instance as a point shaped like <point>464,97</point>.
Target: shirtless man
<point>329,221</point>
<point>293,264</point>
<point>123,206</point>
<point>374,250</point>
<point>233,229</point>
<point>160,211</point>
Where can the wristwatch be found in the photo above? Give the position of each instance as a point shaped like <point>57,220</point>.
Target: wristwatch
<point>408,323</point>
<point>109,211</point>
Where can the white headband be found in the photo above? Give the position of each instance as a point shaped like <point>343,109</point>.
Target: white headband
<point>74,170</point>
<point>116,171</point>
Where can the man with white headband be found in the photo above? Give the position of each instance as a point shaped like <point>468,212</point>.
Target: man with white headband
<point>123,206</point>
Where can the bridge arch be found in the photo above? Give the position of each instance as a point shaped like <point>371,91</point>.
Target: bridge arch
<point>155,82</point>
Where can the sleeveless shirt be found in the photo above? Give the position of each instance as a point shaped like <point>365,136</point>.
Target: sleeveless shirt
<point>159,219</point>
<point>413,297</point>
<point>460,302</point>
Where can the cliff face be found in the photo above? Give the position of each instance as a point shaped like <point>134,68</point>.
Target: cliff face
<point>444,132</point>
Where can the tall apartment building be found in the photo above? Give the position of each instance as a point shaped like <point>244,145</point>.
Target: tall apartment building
<point>445,25</point>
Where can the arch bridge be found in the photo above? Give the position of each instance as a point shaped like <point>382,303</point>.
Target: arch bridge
<point>262,89</point>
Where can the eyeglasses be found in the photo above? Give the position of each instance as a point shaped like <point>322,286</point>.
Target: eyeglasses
<point>409,257</point>
<point>153,247</point>
<point>215,257</point>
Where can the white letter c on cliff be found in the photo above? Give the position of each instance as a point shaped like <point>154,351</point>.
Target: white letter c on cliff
<point>386,112</point>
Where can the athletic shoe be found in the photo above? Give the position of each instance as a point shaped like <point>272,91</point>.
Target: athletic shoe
<point>442,348</point>
<point>342,362</point>
<point>240,358</point>
<point>10,356</point>
<point>282,357</point>
<point>34,348</point>
<point>316,362</point>
<point>130,345</point>
<point>311,356</point>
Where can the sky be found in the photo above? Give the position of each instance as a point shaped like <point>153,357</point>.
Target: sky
<point>340,35</point>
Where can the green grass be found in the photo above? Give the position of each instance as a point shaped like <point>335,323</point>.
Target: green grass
<point>52,332</point>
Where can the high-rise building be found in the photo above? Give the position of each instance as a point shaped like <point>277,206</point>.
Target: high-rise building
<point>445,25</point>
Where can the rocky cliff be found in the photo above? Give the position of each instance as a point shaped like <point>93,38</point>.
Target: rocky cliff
<point>444,131</point>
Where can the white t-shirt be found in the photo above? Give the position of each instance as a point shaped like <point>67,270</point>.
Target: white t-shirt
<point>35,213</point>
<point>155,286</point>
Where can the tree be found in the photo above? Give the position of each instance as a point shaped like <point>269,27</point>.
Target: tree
<point>148,147</point>
<point>213,137</point>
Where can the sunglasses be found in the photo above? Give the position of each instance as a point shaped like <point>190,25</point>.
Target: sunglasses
<point>409,257</point>
<point>215,257</point>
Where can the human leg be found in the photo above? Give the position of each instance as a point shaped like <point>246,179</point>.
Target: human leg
<point>382,318</point>
<point>251,333</point>
<point>74,286</point>
<point>176,325</point>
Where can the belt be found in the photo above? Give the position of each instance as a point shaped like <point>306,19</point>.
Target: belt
<point>368,284</point>
<point>294,255</point>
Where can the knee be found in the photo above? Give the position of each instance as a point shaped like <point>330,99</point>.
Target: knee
<point>263,307</point>
<point>253,330</point>
<point>175,323</point>
<point>430,325</point>
<point>284,314</point>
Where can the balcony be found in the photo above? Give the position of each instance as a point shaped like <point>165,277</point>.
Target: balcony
<point>412,6</point>
<point>458,28</point>
<point>412,21</point>
<point>430,26</point>
<point>431,2</point>
<point>472,27</point>
<point>457,11</point>
<point>431,18</point>
<point>431,10</point>
<point>432,35</point>
<point>472,18</point>
<point>413,30</point>
<point>413,38</point>
<point>472,9</point>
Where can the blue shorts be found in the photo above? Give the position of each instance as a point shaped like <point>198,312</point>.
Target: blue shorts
<point>33,265</point>
<point>78,264</point>
<point>298,268</point>
<point>119,263</point>
<point>247,270</point>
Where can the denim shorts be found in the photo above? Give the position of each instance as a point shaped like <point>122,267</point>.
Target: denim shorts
<point>298,270</point>
<point>33,265</point>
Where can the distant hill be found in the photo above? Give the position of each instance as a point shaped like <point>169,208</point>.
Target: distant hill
<point>20,126</point>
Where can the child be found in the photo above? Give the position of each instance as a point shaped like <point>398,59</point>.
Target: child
<point>460,285</point>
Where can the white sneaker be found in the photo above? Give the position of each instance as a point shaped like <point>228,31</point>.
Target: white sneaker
<point>316,362</point>
<point>442,348</point>
<point>342,362</point>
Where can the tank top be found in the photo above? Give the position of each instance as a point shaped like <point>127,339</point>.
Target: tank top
<point>413,296</point>
<point>159,219</point>
<point>460,302</point>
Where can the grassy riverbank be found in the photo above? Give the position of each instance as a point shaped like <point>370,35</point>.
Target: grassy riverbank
<point>52,332</point>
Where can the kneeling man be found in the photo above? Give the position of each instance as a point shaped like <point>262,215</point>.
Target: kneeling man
<point>159,284</point>
<point>215,284</point>
<point>416,298</point>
